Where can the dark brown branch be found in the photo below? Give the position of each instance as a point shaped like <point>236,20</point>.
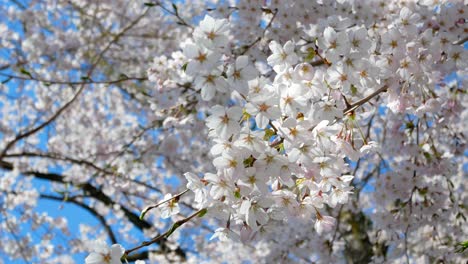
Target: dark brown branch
<point>166,234</point>
<point>84,82</point>
<point>247,47</point>
<point>101,219</point>
<point>97,194</point>
<point>56,156</point>
<point>366,99</point>
<point>174,13</point>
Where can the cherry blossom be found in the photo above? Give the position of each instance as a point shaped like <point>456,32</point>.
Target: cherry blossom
<point>233,131</point>
<point>103,254</point>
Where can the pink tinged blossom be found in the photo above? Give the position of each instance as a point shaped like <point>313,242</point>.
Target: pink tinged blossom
<point>370,147</point>
<point>197,186</point>
<point>324,224</point>
<point>201,60</point>
<point>254,212</point>
<point>304,71</point>
<point>253,182</point>
<point>102,254</point>
<point>264,109</point>
<point>393,42</point>
<point>348,149</point>
<point>231,161</point>
<point>292,99</point>
<point>407,22</point>
<point>339,195</point>
<point>359,40</point>
<point>170,207</point>
<point>316,201</point>
<point>282,57</point>
<point>225,235</point>
<point>240,73</point>
<point>246,233</point>
<point>209,83</point>
<point>211,32</point>
<point>221,184</point>
<point>334,44</point>
<point>224,122</point>
<point>286,200</point>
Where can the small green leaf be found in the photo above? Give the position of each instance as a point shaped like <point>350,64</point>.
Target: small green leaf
<point>202,212</point>
<point>149,4</point>
<point>237,194</point>
<point>142,215</point>
<point>184,67</point>
<point>268,134</point>
<point>248,162</point>
<point>25,72</point>
<point>245,116</point>
<point>173,229</point>
<point>310,54</point>
<point>410,125</point>
<point>427,156</point>
<point>423,191</point>
<point>280,147</point>
<point>461,247</point>
<point>354,89</point>
<point>175,8</point>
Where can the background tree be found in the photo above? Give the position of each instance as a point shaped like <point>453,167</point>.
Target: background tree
<point>262,131</point>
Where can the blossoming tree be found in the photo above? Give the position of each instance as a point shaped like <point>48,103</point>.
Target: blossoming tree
<point>259,131</point>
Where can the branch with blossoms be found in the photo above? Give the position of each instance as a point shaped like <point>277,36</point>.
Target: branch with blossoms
<point>364,100</point>
<point>29,77</point>
<point>65,106</point>
<point>166,234</point>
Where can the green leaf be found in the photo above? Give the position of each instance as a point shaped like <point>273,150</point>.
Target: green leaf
<point>248,162</point>
<point>184,67</point>
<point>427,156</point>
<point>461,247</point>
<point>410,126</point>
<point>175,8</point>
<point>310,54</point>
<point>280,147</point>
<point>237,194</point>
<point>245,116</point>
<point>202,212</point>
<point>354,89</point>
<point>268,134</point>
<point>173,229</point>
<point>149,4</point>
<point>423,191</point>
<point>142,215</point>
<point>25,72</point>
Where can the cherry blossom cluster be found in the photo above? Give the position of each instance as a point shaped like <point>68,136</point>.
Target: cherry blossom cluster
<point>281,144</point>
<point>233,131</point>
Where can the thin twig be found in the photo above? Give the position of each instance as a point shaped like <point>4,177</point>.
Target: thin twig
<point>31,78</point>
<point>364,100</point>
<point>165,234</point>
<point>147,209</point>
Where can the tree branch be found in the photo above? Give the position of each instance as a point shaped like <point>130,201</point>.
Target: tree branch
<point>355,105</point>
